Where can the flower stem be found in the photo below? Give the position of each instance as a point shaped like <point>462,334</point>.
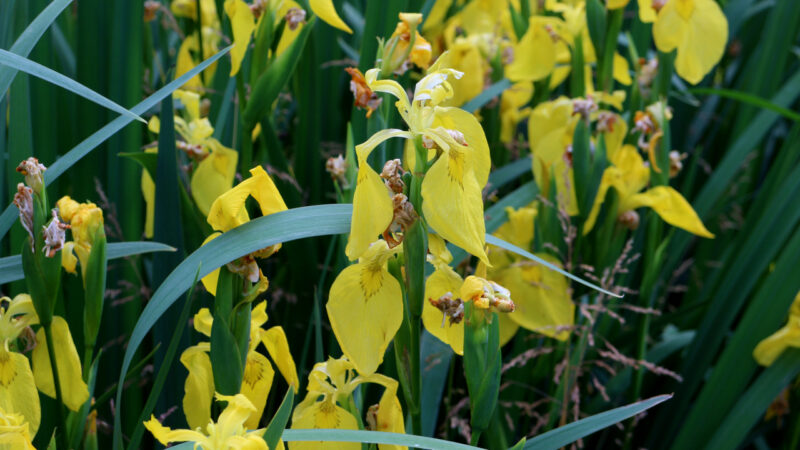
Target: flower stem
<point>61,435</point>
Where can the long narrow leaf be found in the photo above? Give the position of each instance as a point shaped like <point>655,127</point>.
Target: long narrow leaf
<point>568,434</point>
<point>17,62</point>
<point>485,96</point>
<point>11,266</point>
<point>744,97</point>
<point>371,437</point>
<point>87,145</point>
<point>24,44</point>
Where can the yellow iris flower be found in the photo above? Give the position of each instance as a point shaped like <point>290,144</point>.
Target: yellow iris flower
<point>629,175</point>
<point>229,432</point>
<point>541,295</point>
<point>229,211</point>
<point>332,383</point>
<point>535,53</point>
<point>451,189</point>
<point>188,57</point>
<point>769,349</point>
<point>84,220</point>
<point>15,431</point>
<point>18,382</point>
<point>550,130</point>
<point>213,174</point>
<point>258,372</point>
<point>513,109</point>
<point>442,281</point>
<point>365,308</point>
<point>698,30</point>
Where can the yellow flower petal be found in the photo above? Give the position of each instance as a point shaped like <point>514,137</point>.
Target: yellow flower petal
<point>18,388</point>
<point>327,12</point>
<point>390,418</point>
<point>365,308</point>
<point>465,56</point>
<point>228,210</point>
<point>466,123</point>
<point>149,194</point>
<point>288,35</point>
<point>622,70</point>
<point>243,24</point>
<point>68,259</point>
<point>534,54</point>
<point>442,281</point>
<point>452,202</point>
<point>519,228</point>
<point>274,339</point>
<point>616,4</point>
<point>165,435</point>
<point>256,384</point>
<point>769,349</point>
<point>372,206</point>
<point>15,431</point>
<point>210,281</point>
<point>541,297</point>
<point>324,414</point>
<point>670,205</point>
<point>74,390</point>
<point>647,13</point>
<point>199,386</point>
<point>214,175</point>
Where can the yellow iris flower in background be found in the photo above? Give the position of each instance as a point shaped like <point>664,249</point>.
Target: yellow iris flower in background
<point>769,349</point>
<point>84,220</point>
<point>698,30</point>
<point>629,175</point>
<point>541,296</point>
<point>213,174</point>
<point>451,189</point>
<point>258,372</point>
<point>229,211</point>
<point>330,384</point>
<point>15,432</point>
<point>229,432</point>
<point>365,308</point>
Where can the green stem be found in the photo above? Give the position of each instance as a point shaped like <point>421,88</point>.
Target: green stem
<point>476,436</point>
<point>200,37</point>
<point>61,435</point>
<point>610,47</point>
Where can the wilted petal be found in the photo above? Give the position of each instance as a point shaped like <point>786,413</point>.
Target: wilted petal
<point>442,281</point>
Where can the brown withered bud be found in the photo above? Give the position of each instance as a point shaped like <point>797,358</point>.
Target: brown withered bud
<point>23,200</point>
<point>363,95</point>
<point>583,107</point>
<point>205,107</point>
<point>452,308</point>
<point>247,267</point>
<point>658,4</point>
<point>392,175</point>
<point>33,171</point>
<point>150,9</point>
<point>294,17</point>
<point>404,213</point>
<point>676,162</point>
<point>372,417</point>
<point>192,151</point>
<point>629,220</point>
<point>606,121</point>
<point>258,7</point>
<point>55,234</point>
<point>337,167</point>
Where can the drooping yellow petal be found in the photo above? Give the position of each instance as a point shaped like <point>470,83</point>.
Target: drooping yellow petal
<point>372,206</point>
<point>599,198</point>
<point>541,297</point>
<point>327,12</point>
<point>256,384</point>
<point>199,386</point>
<point>228,210</point>
<point>165,435</point>
<point>534,54</point>
<point>324,414</point>
<point>68,259</point>
<point>365,308</point>
<point>466,123</point>
<point>452,202</point>
<point>390,418</point>
<point>74,390</point>
<point>210,281</point>
<point>443,280</point>
<point>622,70</point>
<point>214,175</point>
<point>243,24</point>
<point>18,388</point>
<point>670,205</point>
<point>615,136</point>
<point>288,35</point>
<point>274,339</point>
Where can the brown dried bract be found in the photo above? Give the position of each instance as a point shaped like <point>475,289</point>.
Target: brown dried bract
<point>364,97</point>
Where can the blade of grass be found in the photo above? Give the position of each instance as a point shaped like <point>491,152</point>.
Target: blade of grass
<point>278,423</point>
<point>11,266</point>
<point>750,99</point>
<point>9,215</point>
<point>25,42</point>
<point>17,62</point>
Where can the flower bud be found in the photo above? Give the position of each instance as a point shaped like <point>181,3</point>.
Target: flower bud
<point>485,294</point>
<point>34,173</point>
